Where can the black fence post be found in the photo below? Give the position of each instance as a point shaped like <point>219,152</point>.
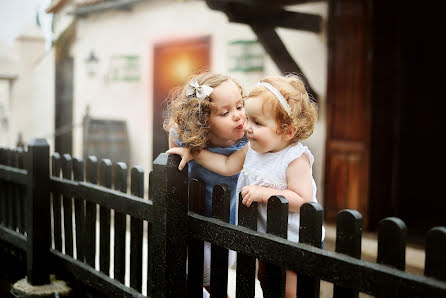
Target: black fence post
<point>79,210</point>
<point>246,265</point>
<point>221,196</point>
<point>120,183</point>
<point>56,165</point>
<point>105,179</point>
<point>67,202</point>
<point>277,224</point>
<point>38,224</point>
<point>8,198</point>
<point>310,232</point>
<point>13,192</point>
<point>392,234</point>
<point>435,263</point>
<point>150,238</point>
<point>136,230</point>
<point>91,175</point>
<point>170,193</point>
<point>195,249</point>
<point>21,193</point>
<point>348,241</point>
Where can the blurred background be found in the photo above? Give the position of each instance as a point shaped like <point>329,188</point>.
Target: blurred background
<point>91,76</point>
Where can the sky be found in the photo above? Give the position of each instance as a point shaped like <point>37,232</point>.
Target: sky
<point>15,15</point>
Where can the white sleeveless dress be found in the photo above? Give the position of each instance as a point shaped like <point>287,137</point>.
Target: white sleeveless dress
<point>269,170</point>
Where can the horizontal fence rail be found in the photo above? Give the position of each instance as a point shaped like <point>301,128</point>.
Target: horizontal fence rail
<point>337,268</point>
<point>100,202</point>
<point>106,197</point>
<point>13,175</point>
<point>13,181</point>
<point>97,196</point>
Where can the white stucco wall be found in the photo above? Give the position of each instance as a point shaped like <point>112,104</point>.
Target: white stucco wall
<point>29,48</point>
<point>135,33</point>
<point>41,124</point>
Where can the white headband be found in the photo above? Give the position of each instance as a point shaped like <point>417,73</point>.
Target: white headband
<point>197,90</point>
<point>279,96</point>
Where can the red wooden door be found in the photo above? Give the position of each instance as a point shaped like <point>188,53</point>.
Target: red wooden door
<point>348,109</point>
<point>174,62</point>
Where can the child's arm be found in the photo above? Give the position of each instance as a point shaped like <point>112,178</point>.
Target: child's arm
<point>300,189</point>
<point>218,163</point>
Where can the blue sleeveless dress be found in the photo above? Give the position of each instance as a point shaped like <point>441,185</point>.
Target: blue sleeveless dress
<point>210,178</point>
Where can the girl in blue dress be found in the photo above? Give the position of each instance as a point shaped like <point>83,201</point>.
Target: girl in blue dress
<point>208,113</point>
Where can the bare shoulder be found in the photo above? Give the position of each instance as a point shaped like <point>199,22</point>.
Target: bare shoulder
<point>300,162</point>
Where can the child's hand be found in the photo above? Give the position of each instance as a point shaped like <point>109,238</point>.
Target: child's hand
<point>184,153</point>
<point>253,193</point>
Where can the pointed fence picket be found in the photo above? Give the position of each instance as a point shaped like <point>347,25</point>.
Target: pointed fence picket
<point>79,210</point>
<point>56,204</point>
<point>246,264</point>
<point>120,184</point>
<point>67,209</point>
<point>195,246</point>
<point>348,242</point>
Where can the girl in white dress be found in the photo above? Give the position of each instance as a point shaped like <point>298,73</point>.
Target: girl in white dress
<point>279,114</point>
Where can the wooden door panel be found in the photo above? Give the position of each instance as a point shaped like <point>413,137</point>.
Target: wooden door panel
<point>335,185</point>
<point>344,184</point>
<point>348,114</point>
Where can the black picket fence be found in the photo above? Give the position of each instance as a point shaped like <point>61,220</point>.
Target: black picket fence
<point>53,219</point>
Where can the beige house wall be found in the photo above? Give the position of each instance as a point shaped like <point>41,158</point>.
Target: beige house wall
<point>43,99</point>
<point>29,50</point>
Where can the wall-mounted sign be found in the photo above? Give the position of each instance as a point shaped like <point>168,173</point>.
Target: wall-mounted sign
<point>246,56</point>
<point>124,68</point>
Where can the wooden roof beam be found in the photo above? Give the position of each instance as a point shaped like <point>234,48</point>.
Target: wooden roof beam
<point>266,3</point>
<point>269,16</point>
<point>283,19</point>
<point>263,19</point>
<point>274,46</point>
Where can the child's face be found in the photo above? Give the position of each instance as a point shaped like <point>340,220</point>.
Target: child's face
<point>227,118</point>
<point>261,128</point>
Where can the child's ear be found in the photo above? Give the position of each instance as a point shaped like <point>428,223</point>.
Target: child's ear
<point>289,132</point>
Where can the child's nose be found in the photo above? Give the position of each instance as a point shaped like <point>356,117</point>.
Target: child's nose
<point>237,116</point>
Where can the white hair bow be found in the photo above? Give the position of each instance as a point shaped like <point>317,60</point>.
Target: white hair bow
<point>200,91</point>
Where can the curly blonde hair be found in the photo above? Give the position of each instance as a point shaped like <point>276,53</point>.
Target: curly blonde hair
<point>189,115</point>
<point>304,112</point>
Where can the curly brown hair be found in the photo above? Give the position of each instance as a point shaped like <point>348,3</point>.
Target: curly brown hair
<point>304,112</point>
<point>189,115</point>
